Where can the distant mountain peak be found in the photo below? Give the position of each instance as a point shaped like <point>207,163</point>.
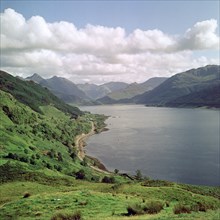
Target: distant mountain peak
<point>35,77</point>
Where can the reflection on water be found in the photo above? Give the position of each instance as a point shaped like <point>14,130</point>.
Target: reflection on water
<point>164,143</point>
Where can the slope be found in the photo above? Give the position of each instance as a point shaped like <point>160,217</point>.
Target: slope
<point>181,84</point>
<point>33,95</point>
<point>209,97</point>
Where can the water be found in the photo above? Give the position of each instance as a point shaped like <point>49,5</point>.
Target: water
<point>180,145</point>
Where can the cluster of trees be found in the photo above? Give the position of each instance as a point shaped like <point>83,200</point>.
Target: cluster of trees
<point>23,158</point>
<point>55,155</point>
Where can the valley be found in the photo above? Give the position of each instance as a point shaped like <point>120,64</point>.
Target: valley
<point>44,175</point>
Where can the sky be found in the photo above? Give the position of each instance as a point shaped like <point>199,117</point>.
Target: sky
<point>103,41</point>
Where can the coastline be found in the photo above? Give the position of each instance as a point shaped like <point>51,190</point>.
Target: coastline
<point>80,143</point>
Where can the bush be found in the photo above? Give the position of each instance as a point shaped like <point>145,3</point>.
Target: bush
<point>180,208</point>
<point>107,179</point>
<point>61,216</point>
<point>201,207</point>
<point>80,174</point>
<point>135,210</point>
<point>60,157</point>
<point>138,175</point>
<point>26,195</point>
<point>153,207</point>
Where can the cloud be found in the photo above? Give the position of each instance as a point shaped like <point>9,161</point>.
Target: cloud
<point>201,36</point>
<point>99,54</point>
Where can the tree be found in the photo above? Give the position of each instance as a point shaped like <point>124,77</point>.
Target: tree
<point>138,175</point>
<point>80,174</point>
<point>107,179</point>
<point>116,171</point>
<point>60,157</point>
<point>73,155</point>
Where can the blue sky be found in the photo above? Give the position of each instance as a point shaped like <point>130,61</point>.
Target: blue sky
<point>155,38</point>
<point>173,17</point>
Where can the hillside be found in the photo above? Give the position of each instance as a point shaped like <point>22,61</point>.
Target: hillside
<point>33,95</point>
<point>131,90</point>
<point>209,97</point>
<point>181,85</point>
<point>62,88</point>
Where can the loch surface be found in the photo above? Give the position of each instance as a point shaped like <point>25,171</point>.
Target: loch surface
<point>175,144</point>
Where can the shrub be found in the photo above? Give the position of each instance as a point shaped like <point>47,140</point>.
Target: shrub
<point>107,179</point>
<point>61,216</point>
<point>180,208</point>
<point>26,195</point>
<point>49,166</point>
<point>138,175</point>
<point>201,207</point>
<point>60,157</point>
<point>116,171</point>
<point>153,207</point>
<point>80,174</point>
<point>73,155</point>
<point>32,161</point>
<point>135,210</point>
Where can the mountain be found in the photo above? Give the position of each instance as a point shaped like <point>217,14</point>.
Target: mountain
<point>33,95</point>
<point>62,88</point>
<point>192,82</point>
<point>97,91</point>
<point>209,97</point>
<point>93,91</point>
<point>134,89</point>
<point>35,77</point>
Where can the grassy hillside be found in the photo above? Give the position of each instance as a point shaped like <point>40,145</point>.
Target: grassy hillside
<point>38,200</point>
<point>181,85</point>
<point>40,141</point>
<point>33,95</point>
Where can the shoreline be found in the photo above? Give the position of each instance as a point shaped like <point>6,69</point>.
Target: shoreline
<point>80,144</point>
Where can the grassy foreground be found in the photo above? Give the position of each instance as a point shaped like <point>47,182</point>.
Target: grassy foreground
<point>43,199</point>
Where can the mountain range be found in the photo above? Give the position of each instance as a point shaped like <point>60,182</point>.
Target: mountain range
<point>62,88</point>
<point>131,91</point>
<point>70,92</point>
<point>195,88</point>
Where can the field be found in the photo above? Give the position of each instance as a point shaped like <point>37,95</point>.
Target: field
<point>43,199</point>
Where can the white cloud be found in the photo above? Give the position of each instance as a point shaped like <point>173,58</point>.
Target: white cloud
<point>98,53</point>
<point>201,36</point>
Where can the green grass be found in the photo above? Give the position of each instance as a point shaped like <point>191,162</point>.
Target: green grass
<point>94,200</point>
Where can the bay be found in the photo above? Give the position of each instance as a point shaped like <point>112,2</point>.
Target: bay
<point>174,144</point>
